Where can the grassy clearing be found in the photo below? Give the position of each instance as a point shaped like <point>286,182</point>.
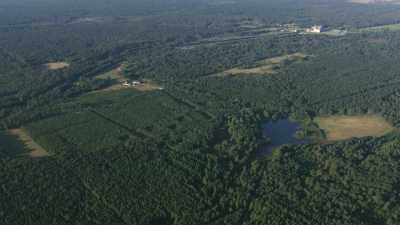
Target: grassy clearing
<point>265,67</point>
<point>116,75</point>
<point>148,85</point>
<point>35,150</point>
<point>265,70</point>
<point>145,86</point>
<point>346,127</point>
<point>57,65</point>
<point>114,87</point>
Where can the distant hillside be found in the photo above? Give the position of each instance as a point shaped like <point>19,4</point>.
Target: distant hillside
<point>376,1</point>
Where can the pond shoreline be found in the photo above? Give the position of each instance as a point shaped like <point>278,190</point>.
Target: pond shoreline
<point>281,132</point>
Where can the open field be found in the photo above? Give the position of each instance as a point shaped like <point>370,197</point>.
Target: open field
<point>265,67</point>
<point>268,69</point>
<point>114,87</point>
<point>147,85</point>
<point>114,74</point>
<point>346,127</point>
<point>57,65</point>
<point>35,149</point>
<point>117,76</point>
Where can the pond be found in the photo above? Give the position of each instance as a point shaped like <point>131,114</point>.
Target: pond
<point>281,132</point>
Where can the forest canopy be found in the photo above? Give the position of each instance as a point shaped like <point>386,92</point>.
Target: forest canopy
<point>152,112</point>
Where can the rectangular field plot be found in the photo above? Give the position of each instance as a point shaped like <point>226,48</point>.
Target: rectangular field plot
<point>267,66</point>
<point>156,115</point>
<point>82,132</point>
<point>153,117</point>
<point>346,127</point>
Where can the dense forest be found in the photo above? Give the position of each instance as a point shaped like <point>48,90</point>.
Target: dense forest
<point>188,152</point>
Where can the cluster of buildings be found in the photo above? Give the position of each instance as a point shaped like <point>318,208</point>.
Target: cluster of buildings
<point>131,83</point>
<point>315,29</point>
<point>293,28</point>
<point>289,27</point>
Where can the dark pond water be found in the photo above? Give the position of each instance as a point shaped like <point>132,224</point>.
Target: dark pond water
<point>281,132</point>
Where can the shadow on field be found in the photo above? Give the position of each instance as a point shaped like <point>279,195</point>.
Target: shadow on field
<point>11,146</point>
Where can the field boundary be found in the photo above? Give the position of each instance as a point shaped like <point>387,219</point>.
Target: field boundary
<point>36,151</point>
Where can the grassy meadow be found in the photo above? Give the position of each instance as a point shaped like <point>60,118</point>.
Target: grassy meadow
<point>346,127</point>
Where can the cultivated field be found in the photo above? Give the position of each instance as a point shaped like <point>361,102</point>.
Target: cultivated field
<point>35,149</point>
<point>346,127</point>
<point>57,65</point>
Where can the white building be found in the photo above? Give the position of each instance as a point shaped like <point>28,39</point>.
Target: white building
<point>134,83</point>
<point>315,29</point>
<point>126,84</point>
<point>131,83</point>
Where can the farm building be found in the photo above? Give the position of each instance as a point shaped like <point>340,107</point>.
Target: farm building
<point>131,83</point>
<point>315,29</point>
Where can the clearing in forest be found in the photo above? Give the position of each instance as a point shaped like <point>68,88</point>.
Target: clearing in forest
<point>346,127</point>
<point>123,83</point>
<point>148,85</point>
<point>57,65</point>
<point>265,67</point>
<point>35,149</point>
<point>114,74</point>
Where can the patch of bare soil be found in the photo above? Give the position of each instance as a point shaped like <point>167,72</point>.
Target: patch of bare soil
<point>148,85</point>
<point>346,127</point>
<point>57,65</point>
<point>264,67</point>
